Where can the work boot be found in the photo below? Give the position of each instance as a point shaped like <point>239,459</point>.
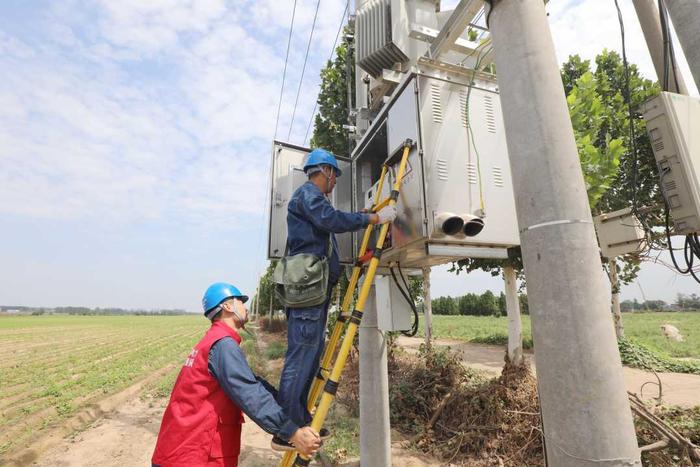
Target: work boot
<point>324,433</point>
<point>278,444</point>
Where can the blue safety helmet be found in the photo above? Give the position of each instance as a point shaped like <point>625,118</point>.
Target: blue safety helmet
<point>320,156</point>
<point>217,293</point>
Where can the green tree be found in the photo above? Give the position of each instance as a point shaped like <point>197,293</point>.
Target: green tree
<point>631,185</point>
<point>488,304</point>
<point>599,153</point>
<point>618,171</point>
<point>467,304</point>
<point>265,294</point>
<point>501,300</point>
<point>444,306</point>
<point>333,108</point>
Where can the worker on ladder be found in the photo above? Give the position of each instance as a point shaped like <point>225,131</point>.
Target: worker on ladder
<point>311,224</point>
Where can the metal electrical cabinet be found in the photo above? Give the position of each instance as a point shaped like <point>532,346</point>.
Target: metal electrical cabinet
<point>673,126</point>
<point>456,199</point>
<point>287,175</point>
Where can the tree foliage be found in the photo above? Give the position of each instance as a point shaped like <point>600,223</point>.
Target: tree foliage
<point>629,185</point>
<point>265,298</point>
<point>332,101</point>
<point>618,171</point>
<point>486,304</point>
<point>598,152</point>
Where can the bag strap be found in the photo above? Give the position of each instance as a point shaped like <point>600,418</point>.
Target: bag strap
<point>330,247</point>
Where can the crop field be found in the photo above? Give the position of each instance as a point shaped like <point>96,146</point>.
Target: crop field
<point>641,327</point>
<point>54,367</point>
<point>51,367</point>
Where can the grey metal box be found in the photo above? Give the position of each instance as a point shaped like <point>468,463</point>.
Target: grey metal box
<point>287,175</point>
<point>454,172</point>
<point>393,311</point>
<point>673,125</point>
<point>619,233</point>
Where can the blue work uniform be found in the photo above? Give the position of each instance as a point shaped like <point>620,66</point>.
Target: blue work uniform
<point>311,223</point>
<point>252,394</point>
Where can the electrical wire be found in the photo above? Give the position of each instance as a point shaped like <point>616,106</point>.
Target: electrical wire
<point>470,133</point>
<point>630,111</point>
<point>274,136</point>
<point>330,57</point>
<point>284,73</point>
<point>303,70</point>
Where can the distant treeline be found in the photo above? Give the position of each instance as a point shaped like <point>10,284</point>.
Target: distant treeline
<point>489,304</point>
<point>683,302</point>
<point>79,310</point>
<point>486,304</point>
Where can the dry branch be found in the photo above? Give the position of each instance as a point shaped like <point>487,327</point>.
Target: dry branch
<point>667,433</point>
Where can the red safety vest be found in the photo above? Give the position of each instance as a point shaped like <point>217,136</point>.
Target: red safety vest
<point>201,425</point>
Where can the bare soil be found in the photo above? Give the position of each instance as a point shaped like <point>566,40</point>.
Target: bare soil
<point>125,435</point>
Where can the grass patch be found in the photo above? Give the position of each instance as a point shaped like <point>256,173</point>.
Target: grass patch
<point>344,441</point>
<point>643,328</point>
<point>275,349</point>
<point>637,355</point>
<point>163,386</point>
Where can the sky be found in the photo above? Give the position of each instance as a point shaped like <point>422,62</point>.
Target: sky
<point>135,142</point>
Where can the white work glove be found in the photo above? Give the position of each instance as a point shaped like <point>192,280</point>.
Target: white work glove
<point>387,214</point>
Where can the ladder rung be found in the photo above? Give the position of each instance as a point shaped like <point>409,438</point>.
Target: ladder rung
<point>382,203</point>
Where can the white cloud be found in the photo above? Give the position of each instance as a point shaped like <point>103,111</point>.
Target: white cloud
<point>141,110</point>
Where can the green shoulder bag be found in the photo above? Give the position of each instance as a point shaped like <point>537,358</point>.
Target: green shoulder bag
<point>302,280</point>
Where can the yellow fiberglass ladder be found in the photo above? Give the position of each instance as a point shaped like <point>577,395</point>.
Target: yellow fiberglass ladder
<point>326,382</point>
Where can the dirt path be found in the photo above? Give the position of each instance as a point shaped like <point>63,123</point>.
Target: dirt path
<point>126,437</point>
<point>678,388</point>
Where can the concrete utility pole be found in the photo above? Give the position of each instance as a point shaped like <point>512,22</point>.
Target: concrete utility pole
<point>615,289</point>
<point>685,15</point>
<point>648,15</point>
<point>427,307</point>
<point>586,415</point>
<point>515,325</point>
<point>375,429</point>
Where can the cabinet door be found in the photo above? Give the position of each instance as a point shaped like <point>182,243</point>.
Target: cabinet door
<point>288,175</point>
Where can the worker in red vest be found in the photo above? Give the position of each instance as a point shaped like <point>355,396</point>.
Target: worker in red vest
<point>202,423</point>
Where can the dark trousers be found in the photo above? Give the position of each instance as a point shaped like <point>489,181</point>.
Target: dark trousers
<point>305,339</point>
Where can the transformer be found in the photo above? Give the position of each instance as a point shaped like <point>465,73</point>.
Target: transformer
<point>456,199</point>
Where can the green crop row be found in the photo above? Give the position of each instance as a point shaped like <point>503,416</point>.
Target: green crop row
<point>95,356</point>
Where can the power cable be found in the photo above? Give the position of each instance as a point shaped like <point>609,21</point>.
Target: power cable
<point>630,113</point>
<point>277,120</point>
<point>303,70</point>
<point>470,134</point>
<point>284,73</point>
<point>330,57</point>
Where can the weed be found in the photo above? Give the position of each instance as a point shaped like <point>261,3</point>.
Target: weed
<point>637,355</point>
<point>275,350</point>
